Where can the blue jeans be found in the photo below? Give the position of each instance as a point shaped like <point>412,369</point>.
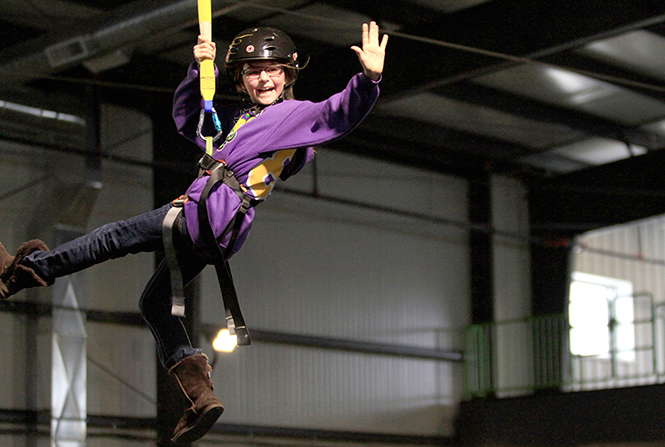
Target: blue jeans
<point>142,233</point>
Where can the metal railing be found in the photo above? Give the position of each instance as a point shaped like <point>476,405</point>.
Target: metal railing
<point>518,357</point>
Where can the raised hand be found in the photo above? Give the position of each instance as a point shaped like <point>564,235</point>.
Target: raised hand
<point>204,50</point>
<point>373,53</point>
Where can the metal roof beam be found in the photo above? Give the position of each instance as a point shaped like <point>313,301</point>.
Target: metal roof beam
<point>540,111</point>
<point>524,29</point>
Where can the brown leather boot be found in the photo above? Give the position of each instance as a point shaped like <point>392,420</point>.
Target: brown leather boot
<point>193,376</point>
<point>14,276</point>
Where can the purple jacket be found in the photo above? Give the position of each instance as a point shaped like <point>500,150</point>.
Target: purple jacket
<point>277,143</point>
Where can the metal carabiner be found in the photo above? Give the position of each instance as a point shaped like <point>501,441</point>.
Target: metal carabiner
<point>216,122</point>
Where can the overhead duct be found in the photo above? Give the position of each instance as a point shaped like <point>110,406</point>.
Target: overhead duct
<point>66,52</point>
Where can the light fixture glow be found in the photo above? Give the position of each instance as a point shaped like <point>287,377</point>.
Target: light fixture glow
<point>42,113</point>
<point>224,341</point>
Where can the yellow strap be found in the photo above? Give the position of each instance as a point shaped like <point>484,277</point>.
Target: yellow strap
<point>207,67</point>
<point>205,11</point>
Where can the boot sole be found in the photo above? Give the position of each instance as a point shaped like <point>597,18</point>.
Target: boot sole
<point>202,427</point>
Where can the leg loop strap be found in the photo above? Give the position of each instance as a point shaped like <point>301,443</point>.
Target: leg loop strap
<point>177,285</point>
<point>235,321</point>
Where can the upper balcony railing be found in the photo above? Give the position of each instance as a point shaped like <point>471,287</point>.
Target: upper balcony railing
<point>518,357</point>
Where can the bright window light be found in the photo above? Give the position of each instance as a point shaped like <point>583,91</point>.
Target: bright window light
<point>601,317</point>
<point>224,341</point>
<point>589,318</point>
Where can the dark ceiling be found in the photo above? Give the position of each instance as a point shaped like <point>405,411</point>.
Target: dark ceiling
<point>543,91</point>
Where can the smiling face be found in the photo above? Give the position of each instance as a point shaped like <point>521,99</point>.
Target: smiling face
<point>264,89</point>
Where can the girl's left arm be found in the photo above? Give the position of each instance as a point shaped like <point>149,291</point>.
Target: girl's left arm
<point>304,123</point>
<point>187,104</point>
<point>311,124</point>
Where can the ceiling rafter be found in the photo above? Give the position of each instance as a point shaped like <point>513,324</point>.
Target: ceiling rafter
<point>541,111</point>
<point>432,53</point>
<point>627,79</point>
<point>507,27</point>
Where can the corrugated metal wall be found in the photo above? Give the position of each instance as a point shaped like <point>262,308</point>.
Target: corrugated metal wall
<point>321,268</point>
<point>634,252</point>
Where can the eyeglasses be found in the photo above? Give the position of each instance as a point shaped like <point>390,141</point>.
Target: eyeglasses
<point>252,74</point>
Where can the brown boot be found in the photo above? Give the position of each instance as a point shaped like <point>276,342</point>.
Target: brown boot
<point>193,376</point>
<point>14,276</point>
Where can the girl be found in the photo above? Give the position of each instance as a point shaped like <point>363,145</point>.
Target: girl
<point>270,138</point>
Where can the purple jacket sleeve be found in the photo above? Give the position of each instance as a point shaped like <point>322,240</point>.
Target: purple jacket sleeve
<point>187,104</point>
<point>304,123</point>
<point>297,124</point>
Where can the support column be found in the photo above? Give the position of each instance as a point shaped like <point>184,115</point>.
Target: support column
<point>482,284</point>
<point>480,242</point>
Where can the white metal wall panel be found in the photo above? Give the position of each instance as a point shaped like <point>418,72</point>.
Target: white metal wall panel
<point>634,252</point>
<point>319,268</point>
<point>121,371</point>
<point>115,285</point>
<point>24,387</point>
<point>297,387</point>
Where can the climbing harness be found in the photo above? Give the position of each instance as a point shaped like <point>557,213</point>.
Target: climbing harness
<point>217,172</point>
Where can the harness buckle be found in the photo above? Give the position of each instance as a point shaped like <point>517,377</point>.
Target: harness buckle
<point>242,336</point>
<point>178,306</point>
<point>241,332</point>
<point>180,201</point>
<point>247,202</point>
<point>208,163</point>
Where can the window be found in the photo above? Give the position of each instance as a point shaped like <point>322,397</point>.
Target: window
<point>601,316</point>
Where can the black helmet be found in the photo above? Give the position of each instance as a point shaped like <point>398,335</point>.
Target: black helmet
<point>259,44</point>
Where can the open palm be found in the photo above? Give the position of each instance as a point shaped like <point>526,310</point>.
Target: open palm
<point>372,54</point>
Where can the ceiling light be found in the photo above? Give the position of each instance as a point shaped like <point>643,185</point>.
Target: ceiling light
<point>225,342</point>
